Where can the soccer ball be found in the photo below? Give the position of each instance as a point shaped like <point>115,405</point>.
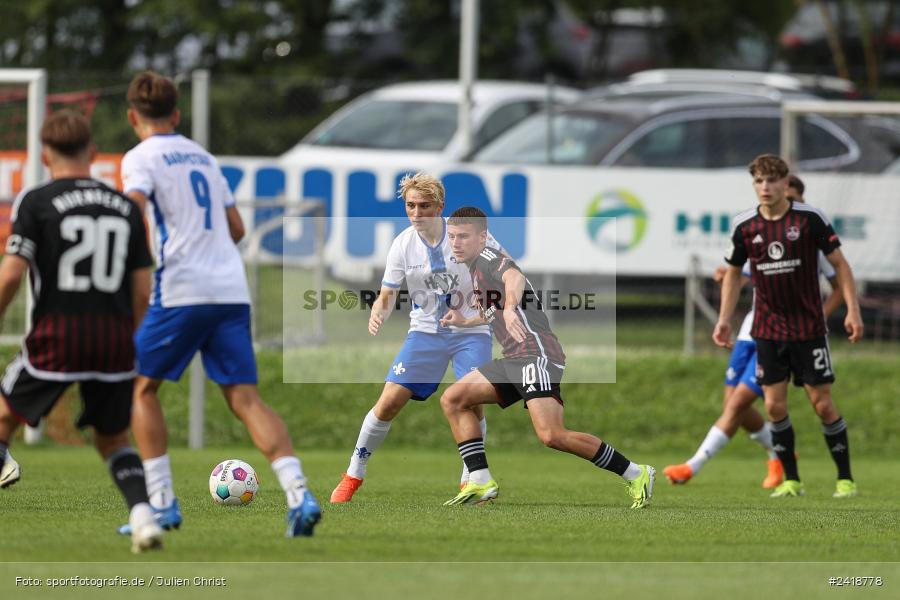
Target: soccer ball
<point>234,483</point>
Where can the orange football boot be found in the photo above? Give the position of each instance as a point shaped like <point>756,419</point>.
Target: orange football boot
<point>775,476</point>
<point>345,489</point>
<point>678,474</point>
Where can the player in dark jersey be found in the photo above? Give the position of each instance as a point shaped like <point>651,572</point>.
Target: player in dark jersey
<point>85,248</point>
<point>531,369</point>
<point>781,240</point>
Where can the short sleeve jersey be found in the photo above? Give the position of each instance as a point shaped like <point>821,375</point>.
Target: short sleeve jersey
<point>435,282</point>
<point>490,292</point>
<point>784,268</point>
<point>82,240</point>
<point>197,261</point>
<point>825,269</point>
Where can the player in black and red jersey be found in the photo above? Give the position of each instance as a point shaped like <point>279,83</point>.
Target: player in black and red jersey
<point>781,239</point>
<point>531,369</point>
<point>85,248</point>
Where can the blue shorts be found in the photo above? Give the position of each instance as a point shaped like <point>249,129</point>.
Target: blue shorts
<point>168,338</point>
<point>742,366</point>
<point>422,361</point>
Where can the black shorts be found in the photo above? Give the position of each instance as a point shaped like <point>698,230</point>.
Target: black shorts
<point>106,406</point>
<point>809,362</point>
<point>517,379</point>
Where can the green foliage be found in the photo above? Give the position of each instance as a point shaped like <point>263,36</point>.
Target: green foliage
<point>660,402</point>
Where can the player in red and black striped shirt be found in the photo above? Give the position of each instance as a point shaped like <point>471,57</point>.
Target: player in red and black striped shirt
<point>85,248</point>
<point>781,240</point>
<point>531,369</point>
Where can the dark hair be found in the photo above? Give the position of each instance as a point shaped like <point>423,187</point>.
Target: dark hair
<point>796,183</point>
<point>767,165</point>
<point>152,95</point>
<point>67,132</point>
<point>469,215</point>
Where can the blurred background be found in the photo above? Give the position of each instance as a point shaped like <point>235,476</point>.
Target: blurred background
<point>630,103</point>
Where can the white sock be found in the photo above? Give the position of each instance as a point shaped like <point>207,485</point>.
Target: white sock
<point>290,476</point>
<point>481,476</point>
<point>632,472</point>
<point>715,440</point>
<point>141,514</point>
<point>158,475</point>
<point>371,434</point>
<point>763,437</point>
<point>465,472</point>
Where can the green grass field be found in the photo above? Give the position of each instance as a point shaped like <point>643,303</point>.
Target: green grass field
<point>554,509</point>
<point>560,527</point>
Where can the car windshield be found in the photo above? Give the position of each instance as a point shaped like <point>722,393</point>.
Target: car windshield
<point>393,125</point>
<point>571,139</point>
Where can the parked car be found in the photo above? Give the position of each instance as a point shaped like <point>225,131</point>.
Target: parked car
<point>710,130</point>
<point>417,122</point>
<point>804,40</point>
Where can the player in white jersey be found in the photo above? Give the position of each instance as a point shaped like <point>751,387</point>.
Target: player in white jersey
<point>421,256</point>
<point>200,299</point>
<point>741,387</point>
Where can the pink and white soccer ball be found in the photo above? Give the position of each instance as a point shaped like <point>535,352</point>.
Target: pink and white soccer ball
<point>234,483</point>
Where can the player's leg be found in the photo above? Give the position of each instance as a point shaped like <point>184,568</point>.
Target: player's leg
<point>10,472</point>
<point>835,431</point>
<point>414,374</point>
<point>23,399</point>
<point>773,371</point>
<point>270,435</point>
<point>470,351</point>
<point>165,344</point>
<point>106,407</point>
<point>547,418</point>
<point>760,430</point>
<point>718,436</point>
<point>229,360</point>
<point>458,403</point>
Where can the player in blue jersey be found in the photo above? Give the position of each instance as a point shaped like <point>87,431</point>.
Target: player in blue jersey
<point>420,256</point>
<point>200,299</point>
<point>741,387</point>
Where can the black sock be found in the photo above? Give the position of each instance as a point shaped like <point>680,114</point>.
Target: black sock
<point>783,443</point>
<point>836,438</point>
<point>128,473</point>
<point>3,448</point>
<point>472,452</point>
<point>610,459</point>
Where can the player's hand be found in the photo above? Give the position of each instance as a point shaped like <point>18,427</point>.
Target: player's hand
<point>719,274</point>
<point>722,335</point>
<point>854,326</point>
<point>514,325</point>
<point>375,321</point>
<point>453,318</point>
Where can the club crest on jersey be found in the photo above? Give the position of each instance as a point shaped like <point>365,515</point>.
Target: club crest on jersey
<point>442,282</point>
<point>776,250</point>
<point>793,233</point>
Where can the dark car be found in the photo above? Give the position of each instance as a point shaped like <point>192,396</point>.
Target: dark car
<point>804,40</point>
<point>710,130</point>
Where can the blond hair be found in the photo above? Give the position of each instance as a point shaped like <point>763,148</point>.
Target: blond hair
<point>426,184</point>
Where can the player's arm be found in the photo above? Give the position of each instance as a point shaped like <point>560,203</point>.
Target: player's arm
<point>235,223</point>
<point>382,308</point>
<point>835,298</point>
<point>847,285</point>
<point>11,271</point>
<point>139,198</point>
<point>140,294</point>
<point>514,286</point>
<point>454,318</point>
<point>731,290</point>
<point>719,275</point>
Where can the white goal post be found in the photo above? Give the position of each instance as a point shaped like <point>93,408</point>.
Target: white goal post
<point>792,110</point>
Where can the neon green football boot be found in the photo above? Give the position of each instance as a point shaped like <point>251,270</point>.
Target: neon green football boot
<point>641,489</point>
<point>789,487</point>
<point>846,488</point>
<point>473,493</point>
